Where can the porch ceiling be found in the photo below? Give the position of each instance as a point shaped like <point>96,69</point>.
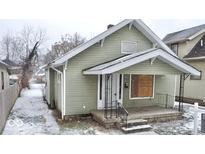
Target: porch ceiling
<point>133,59</point>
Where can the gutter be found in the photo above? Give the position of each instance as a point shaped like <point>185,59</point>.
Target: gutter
<point>194,58</point>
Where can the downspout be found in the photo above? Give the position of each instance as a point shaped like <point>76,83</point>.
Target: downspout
<point>62,88</point>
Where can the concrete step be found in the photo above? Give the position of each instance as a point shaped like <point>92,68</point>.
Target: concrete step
<point>133,129</point>
<point>134,122</point>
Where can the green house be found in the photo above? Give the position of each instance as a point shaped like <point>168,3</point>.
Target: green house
<point>127,66</point>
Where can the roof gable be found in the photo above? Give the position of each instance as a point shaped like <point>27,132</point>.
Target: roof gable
<point>130,60</point>
<point>197,50</point>
<point>136,23</point>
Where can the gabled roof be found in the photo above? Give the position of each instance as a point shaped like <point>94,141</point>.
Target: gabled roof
<point>198,51</point>
<point>132,22</point>
<point>10,63</point>
<point>3,64</point>
<point>130,60</point>
<point>184,35</point>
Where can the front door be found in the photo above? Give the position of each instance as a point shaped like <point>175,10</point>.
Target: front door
<point>110,90</point>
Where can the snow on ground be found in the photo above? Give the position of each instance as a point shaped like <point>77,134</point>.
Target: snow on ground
<point>180,127</point>
<point>30,115</point>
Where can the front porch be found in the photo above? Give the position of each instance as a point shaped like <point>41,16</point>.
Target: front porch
<point>149,113</point>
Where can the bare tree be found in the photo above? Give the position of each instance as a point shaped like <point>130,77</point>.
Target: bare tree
<point>18,46</point>
<point>28,66</point>
<point>29,37</point>
<point>6,43</point>
<point>67,43</point>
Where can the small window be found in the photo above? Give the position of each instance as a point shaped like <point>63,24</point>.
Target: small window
<point>2,80</point>
<point>174,47</point>
<point>193,77</point>
<point>142,86</point>
<point>128,47</point>
<point>202,43</point>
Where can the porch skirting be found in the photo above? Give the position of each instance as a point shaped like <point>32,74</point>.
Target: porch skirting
<point>151,114</point>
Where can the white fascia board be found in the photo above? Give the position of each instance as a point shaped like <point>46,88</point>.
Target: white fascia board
<point>197,34</point>
<point>178,64</point>
<point>162,55</point>
<point>195,58</point>
<point>91,42</point>
<point>124,64</point>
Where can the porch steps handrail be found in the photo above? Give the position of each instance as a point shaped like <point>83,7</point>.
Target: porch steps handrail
<point>122,113</point>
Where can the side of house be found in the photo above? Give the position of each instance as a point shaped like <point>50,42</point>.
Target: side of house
<point>8,94</point>
<point>4,77</point>
<point>189,45</point>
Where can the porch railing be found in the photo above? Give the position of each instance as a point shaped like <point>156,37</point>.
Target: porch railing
<point>122,113</point>
<point>165,99</point>
<point>110,109</point>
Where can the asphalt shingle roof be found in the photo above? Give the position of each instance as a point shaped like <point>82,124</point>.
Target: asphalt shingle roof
<point>183,34</point>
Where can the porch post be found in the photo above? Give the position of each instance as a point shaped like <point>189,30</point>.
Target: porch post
<point>181,91</point>
<point>106,96</point>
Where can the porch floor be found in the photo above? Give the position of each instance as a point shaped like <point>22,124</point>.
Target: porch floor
<point>151,114</point>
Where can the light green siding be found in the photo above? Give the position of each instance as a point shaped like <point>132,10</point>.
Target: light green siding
<point>164,84</point>
<point>158,67</point>
<point>81,90</point>
<point>196,88</point>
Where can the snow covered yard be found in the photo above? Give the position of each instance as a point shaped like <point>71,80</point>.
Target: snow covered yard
<point>180,127</point>
<point>30,116</point>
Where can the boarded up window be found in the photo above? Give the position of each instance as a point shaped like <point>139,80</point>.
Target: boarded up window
<point>128,47</point>
<point>142,86</point>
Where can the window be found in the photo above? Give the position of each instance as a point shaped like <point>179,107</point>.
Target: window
<point>193,77</point>
<point>174,47</point>
<point>100,95</point>
<point>142,86</point>
<point>202,43</point>
<point>128,47</point>
<point>2,80</point>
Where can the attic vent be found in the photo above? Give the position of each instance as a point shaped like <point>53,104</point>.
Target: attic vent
<point>128,47</point>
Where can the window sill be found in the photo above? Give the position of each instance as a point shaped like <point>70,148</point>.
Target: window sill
<point>139,98</point>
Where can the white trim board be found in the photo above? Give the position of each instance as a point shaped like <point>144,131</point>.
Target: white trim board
<point>137,58</point>
<point>136,23</point>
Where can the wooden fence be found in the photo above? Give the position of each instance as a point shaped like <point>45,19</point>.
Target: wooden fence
<point>7,100</point>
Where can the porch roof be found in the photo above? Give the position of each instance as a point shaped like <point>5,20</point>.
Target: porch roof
<point>136,58</point>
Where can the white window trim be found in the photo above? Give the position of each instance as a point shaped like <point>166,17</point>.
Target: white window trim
<point>118,88</point>
<point>137,98</point>
<point>100,101</point>
<point>127,42</point>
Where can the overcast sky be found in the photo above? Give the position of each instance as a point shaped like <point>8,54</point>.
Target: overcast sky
<point>90,28</point>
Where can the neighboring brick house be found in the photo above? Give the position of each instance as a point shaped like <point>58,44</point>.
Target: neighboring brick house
<point>189,45</point>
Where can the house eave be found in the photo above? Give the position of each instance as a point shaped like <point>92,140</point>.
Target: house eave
<point>157,53</point>
<point>194,58</point>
